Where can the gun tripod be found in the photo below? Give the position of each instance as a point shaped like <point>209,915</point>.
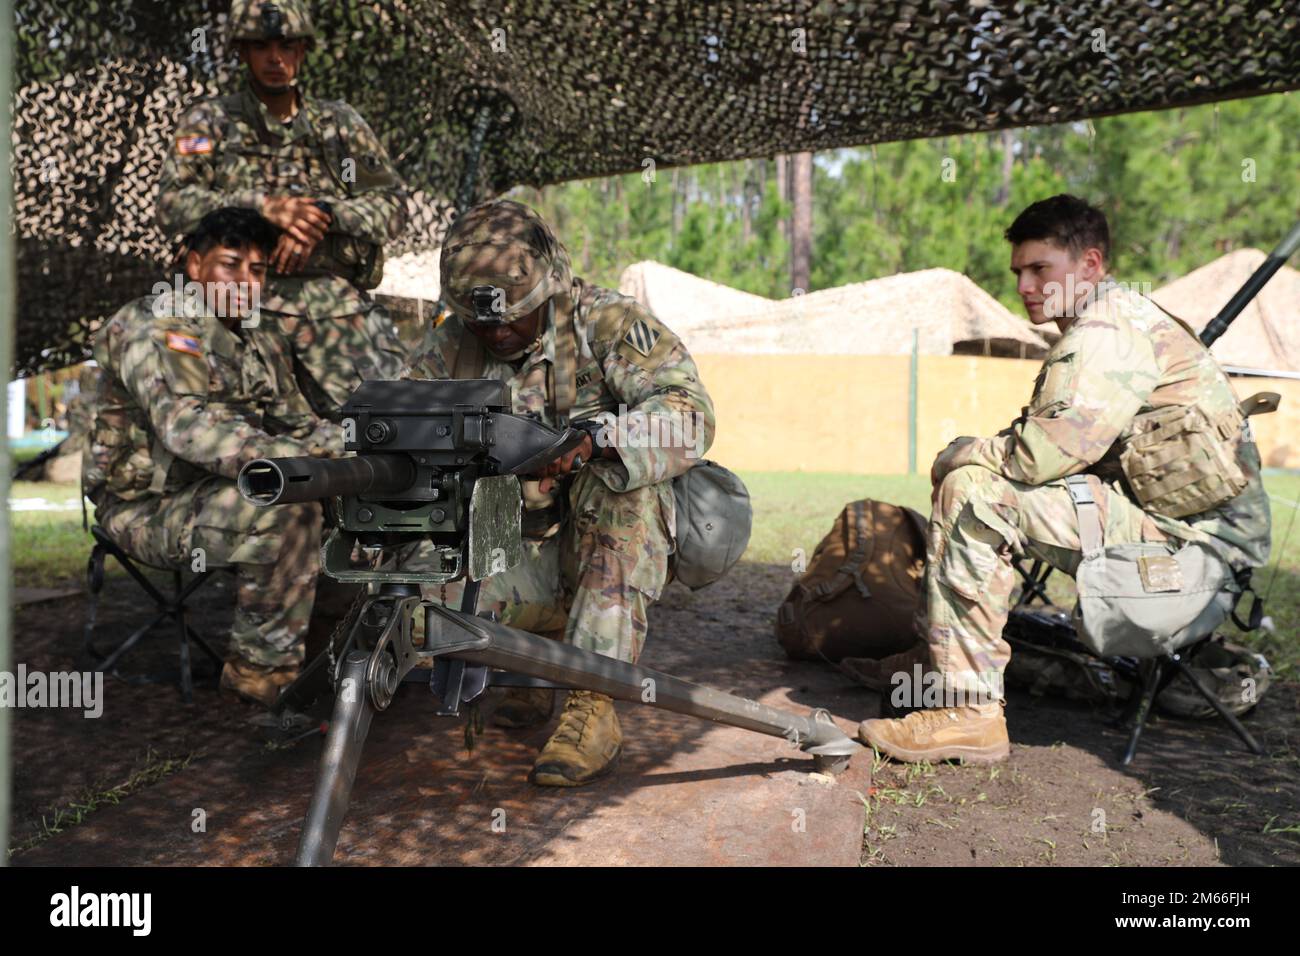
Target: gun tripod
<point>470,654</point>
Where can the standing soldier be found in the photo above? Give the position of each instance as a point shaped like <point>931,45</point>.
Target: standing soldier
<point>599,524</point>
<point>314,169</point>
<point>1064,479</point>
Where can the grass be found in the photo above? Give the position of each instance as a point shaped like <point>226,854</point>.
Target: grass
<point>792,510</point>
<point>49,547</point>
<point>153,769</point>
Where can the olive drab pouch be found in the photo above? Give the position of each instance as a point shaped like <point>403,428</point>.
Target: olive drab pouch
<point>861,589</point>
<point>1181,462</point>
<point>714,519</point>
<point>1144,600</point>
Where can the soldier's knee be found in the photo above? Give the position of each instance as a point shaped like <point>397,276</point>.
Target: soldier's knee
<point>596,507</point>
<point>304,518</point>
<point>962,484</point>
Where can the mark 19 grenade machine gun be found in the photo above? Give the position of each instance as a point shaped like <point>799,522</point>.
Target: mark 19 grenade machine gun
<point>437,461</point>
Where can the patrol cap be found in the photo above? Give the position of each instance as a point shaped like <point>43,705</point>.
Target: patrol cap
<point>502,244</point>
<point>270,20</point>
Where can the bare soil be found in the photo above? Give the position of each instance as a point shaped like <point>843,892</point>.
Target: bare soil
<point>1192,796</point>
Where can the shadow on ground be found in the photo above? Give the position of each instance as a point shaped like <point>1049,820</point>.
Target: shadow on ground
<point>686,791</point>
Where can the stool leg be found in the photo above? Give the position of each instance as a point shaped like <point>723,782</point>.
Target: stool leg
<point>1222,711</point>
<point>94,582</point>
<point>187,678</point>
<point>1149,688</point>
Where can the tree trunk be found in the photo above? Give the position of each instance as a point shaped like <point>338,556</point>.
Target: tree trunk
<point>801,221</point>
<point>746,202</point>
<point>1008,160</point>
<point>679,202</point>
<point>783,190</point>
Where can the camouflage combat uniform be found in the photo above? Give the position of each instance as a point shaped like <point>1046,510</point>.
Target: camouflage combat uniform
<point>595,572</point>
<point>1006,496</point>
<point>183,404</point>
<point>231,151</point>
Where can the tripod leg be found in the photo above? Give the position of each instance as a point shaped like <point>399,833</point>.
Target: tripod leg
<point>338,764</point>
<point>1210,699</point>
<point>1149,688</point>
<point>481,642</point>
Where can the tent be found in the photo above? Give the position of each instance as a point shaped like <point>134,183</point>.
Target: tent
<point>687,302</point>
<point>1266,335</point>
<point>951,313</point>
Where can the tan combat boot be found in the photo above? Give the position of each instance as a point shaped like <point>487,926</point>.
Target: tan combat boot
<point>585,746</point>
<point>975,734</point>
<point>877,674</point>
<point>254,682</point>
<point>524,707</point>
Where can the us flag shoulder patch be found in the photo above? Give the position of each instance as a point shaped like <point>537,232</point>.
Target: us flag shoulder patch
<point>190,145</point>
<point>642,337</point>
<point>184,343</point>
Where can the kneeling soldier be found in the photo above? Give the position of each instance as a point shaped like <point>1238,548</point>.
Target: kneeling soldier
<point>193,387</point>
<point>1121,367</point>
<point>599,523</point>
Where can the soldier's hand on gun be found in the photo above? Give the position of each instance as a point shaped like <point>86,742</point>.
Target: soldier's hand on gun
<point>565,464</point>
<point>299,216</point>
<point>290,255</point>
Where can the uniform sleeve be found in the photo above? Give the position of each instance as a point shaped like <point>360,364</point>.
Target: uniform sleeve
<point>291,415</point>
<point>1092,384</point>
<point>172,388</point>
<point>430,360</point>
<point>670,422</point>
<point>188,188</point>
<point>375,209</point>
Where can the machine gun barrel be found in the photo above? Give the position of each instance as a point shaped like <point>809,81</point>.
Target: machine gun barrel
<point>280,481</point>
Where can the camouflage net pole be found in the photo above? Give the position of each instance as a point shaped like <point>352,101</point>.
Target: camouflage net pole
<point>569,89</point>
<point>6,463</point>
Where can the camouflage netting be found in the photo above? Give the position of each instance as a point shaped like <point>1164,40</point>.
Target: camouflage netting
<point>574,88</point>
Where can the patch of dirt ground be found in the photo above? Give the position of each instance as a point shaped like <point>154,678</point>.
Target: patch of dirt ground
<point>1192,796</point>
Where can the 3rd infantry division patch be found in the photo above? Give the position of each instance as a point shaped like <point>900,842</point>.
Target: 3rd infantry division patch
<point>642,337</point>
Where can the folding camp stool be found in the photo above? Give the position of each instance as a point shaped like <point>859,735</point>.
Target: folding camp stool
<point>1148,676</point>
<point>167,605</point>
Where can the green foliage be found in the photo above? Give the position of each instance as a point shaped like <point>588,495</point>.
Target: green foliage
<point>1173,183</point>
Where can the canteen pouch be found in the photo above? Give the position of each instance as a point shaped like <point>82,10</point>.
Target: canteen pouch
<point>714,519</point>
<point>1141,600</point>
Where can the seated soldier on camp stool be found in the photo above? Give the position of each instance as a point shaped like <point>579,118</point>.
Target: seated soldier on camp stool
<point>599,524</point>
<point>1121,365</point>
<point>193,388</point>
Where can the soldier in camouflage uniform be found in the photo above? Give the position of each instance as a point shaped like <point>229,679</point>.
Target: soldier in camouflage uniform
<point>1119,357</point>
<point>314,168</point>
<point>599,524</point>
<point>187,396</point>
